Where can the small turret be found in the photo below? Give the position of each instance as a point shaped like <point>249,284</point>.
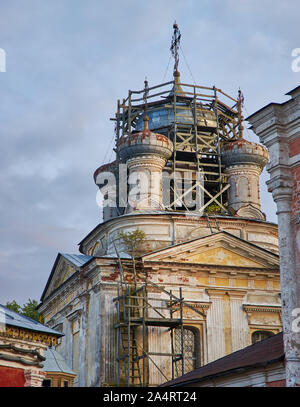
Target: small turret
<point>244,162</point>
<point>145,153</point>
<point>110,169</point>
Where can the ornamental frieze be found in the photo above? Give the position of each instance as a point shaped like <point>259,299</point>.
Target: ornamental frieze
<point>24,334</point>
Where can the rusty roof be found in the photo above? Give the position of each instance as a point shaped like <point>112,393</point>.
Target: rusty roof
<point>261,353</point>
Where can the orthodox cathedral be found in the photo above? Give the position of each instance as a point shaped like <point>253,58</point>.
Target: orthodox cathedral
<point>184,268</point>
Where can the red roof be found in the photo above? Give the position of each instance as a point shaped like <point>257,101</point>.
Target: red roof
<point>261,353</point>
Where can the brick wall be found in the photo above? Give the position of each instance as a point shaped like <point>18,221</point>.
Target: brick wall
<point>277,383</point>
<point>294,147</point>
<point>296,190</point>
<point>11,377</point>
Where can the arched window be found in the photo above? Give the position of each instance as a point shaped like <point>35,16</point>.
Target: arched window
<point>191,347</point>
<point>258,336</point>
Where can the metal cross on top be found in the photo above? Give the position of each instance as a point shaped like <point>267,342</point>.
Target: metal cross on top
<point>175,45</point>
<point>145,96</point>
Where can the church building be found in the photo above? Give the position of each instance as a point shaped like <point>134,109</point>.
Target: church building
<point>184,268</point>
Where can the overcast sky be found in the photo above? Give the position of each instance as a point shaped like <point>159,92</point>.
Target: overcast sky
<point>67,63</point>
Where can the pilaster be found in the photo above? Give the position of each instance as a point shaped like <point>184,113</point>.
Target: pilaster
<point>278,126</point>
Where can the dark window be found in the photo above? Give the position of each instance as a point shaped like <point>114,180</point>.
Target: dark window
<point>189,348</point>
<point>258,336</point>
<point>66,383</point>
<point>46,383</point>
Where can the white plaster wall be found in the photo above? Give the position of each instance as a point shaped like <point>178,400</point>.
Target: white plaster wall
<point>215,330</point>
<point>239,324</point>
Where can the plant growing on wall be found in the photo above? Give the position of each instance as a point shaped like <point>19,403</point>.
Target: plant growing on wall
<point>213,208</point>
<point>133,242</point>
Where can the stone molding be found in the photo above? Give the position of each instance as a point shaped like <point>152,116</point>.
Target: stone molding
<point>75,314</point>
<point>193,223</point>
<point>261,308</point>
<point>33,377</point>
<point>204,306</point>
<point>219,293</point>
<point>146,162</point>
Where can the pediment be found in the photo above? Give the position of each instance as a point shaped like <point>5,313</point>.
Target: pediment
<point>222,256</point>
<point>64,267</point>
<point>220,249</point>
<point>62,270</point>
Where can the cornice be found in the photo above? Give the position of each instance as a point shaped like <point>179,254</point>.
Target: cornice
<point>19,359</point>
<point>74,314</point>
<point>163,266</point>
<point>204,306</point>
<point>91,271</point>
<point>104,227</point>
<point>261,308</point>
<point>220,292</point>
<point>16,349</point>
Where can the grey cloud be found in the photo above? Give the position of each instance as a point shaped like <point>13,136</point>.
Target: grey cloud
<point>67,64</point>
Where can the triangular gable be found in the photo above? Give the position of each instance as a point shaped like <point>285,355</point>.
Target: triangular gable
<point>64,267</point>
<point>220,248</point>
<point>222,257</point>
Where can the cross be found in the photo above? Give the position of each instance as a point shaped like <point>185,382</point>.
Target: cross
<point>145,95</point>
<point>175,45</point>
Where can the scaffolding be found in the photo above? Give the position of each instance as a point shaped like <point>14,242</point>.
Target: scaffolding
<point>136,311</point>
<point>197,120</point>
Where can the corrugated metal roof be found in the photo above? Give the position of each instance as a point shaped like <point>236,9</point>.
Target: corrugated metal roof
<point>77,259</point>
<point>12,318</point>
<point>266,351</point>
<point>55,363</point>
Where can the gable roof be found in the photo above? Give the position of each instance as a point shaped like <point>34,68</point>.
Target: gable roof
<point>78,260</point>
<point>185,251</point>
<point>12,318</point>
<point>261,353</point>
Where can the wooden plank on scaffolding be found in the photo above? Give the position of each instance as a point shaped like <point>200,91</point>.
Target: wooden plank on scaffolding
<point>214,198</point>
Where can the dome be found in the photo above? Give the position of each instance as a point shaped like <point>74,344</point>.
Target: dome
<point>242,151</point>
<point>110,167</point>
<point>162,115</point>
<point>145,143</point>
